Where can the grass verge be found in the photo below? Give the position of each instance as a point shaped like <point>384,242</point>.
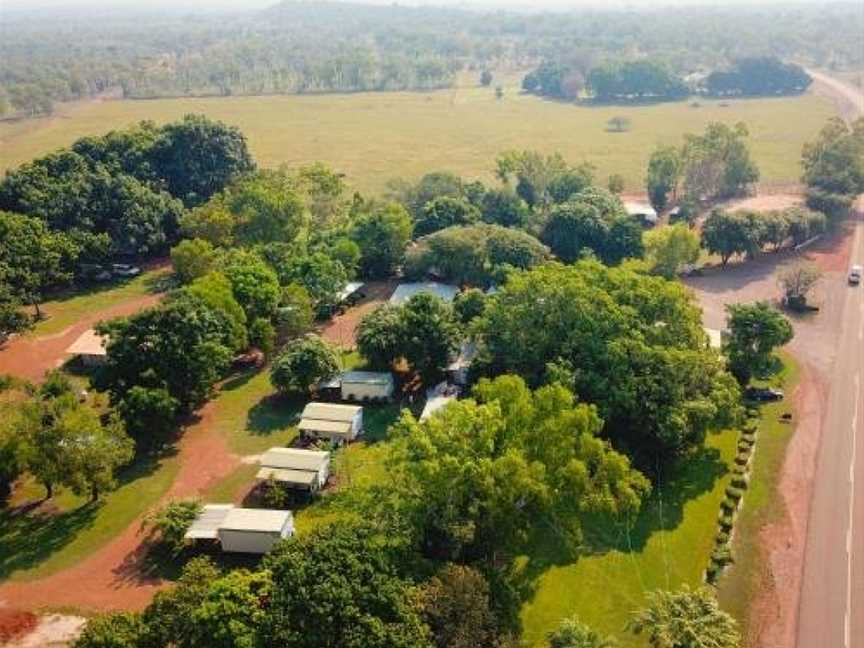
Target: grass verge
<point>762,503</point>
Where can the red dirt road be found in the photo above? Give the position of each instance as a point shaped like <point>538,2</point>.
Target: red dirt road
<point>340,330</point>
<point>112,577</point>
<point>29,356</point>
<point>774,612</point>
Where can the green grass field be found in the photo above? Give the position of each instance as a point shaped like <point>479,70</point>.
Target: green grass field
<point>65,310</point>
<point>668,545</point>
<point>372,137</point>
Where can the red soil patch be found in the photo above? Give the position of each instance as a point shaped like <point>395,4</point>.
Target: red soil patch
<point>114,576</point>
<point>30,357</point>
<point>15,623</point>
<point>341,328</point>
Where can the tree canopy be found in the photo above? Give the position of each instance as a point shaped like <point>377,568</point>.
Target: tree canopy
<point>635,344</point>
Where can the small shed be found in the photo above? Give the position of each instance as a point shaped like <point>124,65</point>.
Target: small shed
<point>406,291</point>
<point>351,292</point>
<point>367,385</point>
<point>90,348</point>
<point>296,468</point>
<point>337,423</point>
<point>643,211</point>
<point>206,525</point>
<point>254,531</point>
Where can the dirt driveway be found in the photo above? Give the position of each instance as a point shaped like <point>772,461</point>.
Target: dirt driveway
<point>340,329</point>
<point>112,578</point>
<point>30,356</point>
<point>774,612</point>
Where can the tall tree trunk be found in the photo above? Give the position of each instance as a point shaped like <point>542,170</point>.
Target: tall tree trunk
<point>49,491</point>
<point>94,493</point>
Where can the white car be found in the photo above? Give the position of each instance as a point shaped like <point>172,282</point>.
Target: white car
<point>855,275</point>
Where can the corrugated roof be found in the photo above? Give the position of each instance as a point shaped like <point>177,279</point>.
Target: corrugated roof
<point>350,289</point>
<point>259,520</point>
<point>89,343</point>
<point>206,525</point>
<point>295,459</point>
<point>330,412</point>
<point>381,378</point>
<point>317,425</point>
<point>406,291</point>
<point>287,476</point>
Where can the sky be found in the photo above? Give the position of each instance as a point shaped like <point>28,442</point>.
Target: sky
<point>252,4</point>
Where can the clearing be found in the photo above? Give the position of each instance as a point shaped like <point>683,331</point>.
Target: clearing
<point>373,137</point>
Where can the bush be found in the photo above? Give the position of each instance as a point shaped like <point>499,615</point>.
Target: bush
<point>722,538</point>
<point>739,470</point>
<point>304,363</point>
<point>729,505</point>
<point>734,493</point>
<point>722,556</point>
<point>114,630</point>
<point>749,438</point>
<point>740,482</point>
<point>167,526</point>
<point>742,458</point>
<point>726,521</point>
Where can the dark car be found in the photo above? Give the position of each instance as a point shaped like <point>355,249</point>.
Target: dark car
<point>763,394</point>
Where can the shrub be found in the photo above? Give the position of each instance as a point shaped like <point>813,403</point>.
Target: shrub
<point>729,505</point>
<point>742,458</point>
<point>749,438</point>
<point>734,493</point>
<point>721,538</point>
<point>168,525</point>
<point>738,470</point>
<point>722,556</point>
<point>740,482</point>
<point>726,521</point>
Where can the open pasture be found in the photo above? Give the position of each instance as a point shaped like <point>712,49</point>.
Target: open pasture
<point>372,137</point>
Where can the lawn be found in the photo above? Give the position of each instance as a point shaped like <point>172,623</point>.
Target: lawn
<point>762,503</point>
<point>372,137</point>
<point>65,310</point>
<point>668,545</point>
<point>33,545</point>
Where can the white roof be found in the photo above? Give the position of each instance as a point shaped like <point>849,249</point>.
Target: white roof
<point>350,288</point>
<point>89,343</point>
<point>256,520</point>
<point>206,525</point>
<point>299,477</point>
<point>295,459</point>
<point>434,404</point>
<point>330,412</point>
<point>640,209</point>
<point>367,377</point>
<point>406,291</point>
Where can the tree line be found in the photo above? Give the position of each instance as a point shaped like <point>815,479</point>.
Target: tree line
<point>297,47</point>
<point>652,80</point>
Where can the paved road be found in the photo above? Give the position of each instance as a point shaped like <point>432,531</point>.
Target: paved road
<point>831,613</point>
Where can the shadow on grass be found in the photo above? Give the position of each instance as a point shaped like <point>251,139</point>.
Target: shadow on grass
<point>31,533</point>
<point>273,413</point>
<point>692,477</point>
<point>376,421</point>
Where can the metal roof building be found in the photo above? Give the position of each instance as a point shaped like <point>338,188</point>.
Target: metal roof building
<point>206,525</point>
<point>90,347</point>
<point>295,467</point>
<point>406,291</point>
<point>338,423</point>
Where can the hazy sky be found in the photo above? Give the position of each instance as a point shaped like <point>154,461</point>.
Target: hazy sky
<point>239,4</point>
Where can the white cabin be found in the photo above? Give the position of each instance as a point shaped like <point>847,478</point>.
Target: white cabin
<point>337,423</point>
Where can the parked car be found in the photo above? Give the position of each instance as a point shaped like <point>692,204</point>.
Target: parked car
<point>125,270</point>
<point>94,272</point>
<point>763,394</point>
<point>855,275</point>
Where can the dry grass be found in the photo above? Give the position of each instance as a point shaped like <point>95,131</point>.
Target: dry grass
<point>374,137</point>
